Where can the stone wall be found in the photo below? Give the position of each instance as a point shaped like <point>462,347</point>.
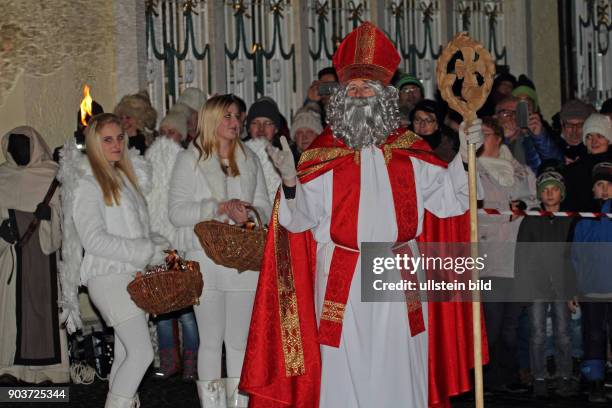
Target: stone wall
<point>49,50</point>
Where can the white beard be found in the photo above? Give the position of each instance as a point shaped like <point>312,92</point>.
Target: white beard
<point>362,122</point>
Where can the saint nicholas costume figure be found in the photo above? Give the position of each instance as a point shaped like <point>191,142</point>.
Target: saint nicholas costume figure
<point>313,342</point>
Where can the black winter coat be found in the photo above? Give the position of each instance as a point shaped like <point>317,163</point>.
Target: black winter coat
<point>543,268</point>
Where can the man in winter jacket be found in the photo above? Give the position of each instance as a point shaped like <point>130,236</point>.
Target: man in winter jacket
<point>532,145</point>
<point>573,115</point>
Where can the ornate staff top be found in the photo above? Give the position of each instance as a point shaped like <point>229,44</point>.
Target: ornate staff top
<point>476,60</point>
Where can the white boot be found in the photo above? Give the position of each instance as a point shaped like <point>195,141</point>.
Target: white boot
<point>235,399</point>
<point>212,394</point>
<point>117,401</point>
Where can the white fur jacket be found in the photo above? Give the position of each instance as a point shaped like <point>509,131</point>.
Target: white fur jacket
<point>197,188</point>
<point>161,155</point>
<point>116,239</point>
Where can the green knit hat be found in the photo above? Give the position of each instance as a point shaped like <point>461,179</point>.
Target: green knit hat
<point>407,79</point>
<point>550,178</point>
<point>530,93</point>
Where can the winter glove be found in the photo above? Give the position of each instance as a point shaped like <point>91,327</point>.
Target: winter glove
<point>161,244</point>
<point>473,135</point>
<point>43,212</point>
<point>7,233</point>
<point>284,162</point>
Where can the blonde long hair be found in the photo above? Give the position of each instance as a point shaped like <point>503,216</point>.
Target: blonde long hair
<point>109,180</point>
<point>209,119</point>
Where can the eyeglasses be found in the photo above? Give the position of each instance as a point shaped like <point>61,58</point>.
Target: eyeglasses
<point>506,113</point>
<point>409,91</point>
<point>266,124</point>
<point>419,121</point>
<point>574,126</point>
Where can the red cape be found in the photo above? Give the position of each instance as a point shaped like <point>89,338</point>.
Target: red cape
<point>282,364</point>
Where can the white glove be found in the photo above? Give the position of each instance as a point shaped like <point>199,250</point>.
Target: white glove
<point>160,244</point>
<point>284,162</point>
<point>473,135</point>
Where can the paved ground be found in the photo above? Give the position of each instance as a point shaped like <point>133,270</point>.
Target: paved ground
<point>173,392</point>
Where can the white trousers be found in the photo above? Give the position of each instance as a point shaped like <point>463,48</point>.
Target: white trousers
<point>222,316</point>
<point>133,355</point>
<point>133,348</point>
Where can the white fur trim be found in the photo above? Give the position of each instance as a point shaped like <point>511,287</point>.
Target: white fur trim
<point>73,165</point>
<point>161,155</point>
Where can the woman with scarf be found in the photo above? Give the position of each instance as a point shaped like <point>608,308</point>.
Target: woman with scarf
<point>506,184</point>
<point>427,121</point>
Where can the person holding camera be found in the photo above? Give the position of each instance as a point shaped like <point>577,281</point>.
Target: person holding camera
<point>320,91</point>
<point>524,133</point>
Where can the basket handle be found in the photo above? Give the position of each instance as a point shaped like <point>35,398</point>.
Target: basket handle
<point>261,226</point>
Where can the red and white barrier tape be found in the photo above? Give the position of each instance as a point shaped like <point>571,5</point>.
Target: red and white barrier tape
<point>542,213</point>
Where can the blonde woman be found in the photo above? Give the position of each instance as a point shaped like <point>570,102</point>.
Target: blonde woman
<point>111,220</point>
<point>138,119</point>
<point>214,179</point>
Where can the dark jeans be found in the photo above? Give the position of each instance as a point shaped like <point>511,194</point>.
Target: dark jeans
<point>597,326</point>
<point>561,318</point>
<point>165,336</point>
<point>502,321</point>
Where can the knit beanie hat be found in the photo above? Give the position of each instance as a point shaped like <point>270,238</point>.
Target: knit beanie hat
<point>306,119</point>
<point>182,109</point>
<point>407,79</point>
<point>550,178</point>
<point>575,109</point>
<point>176,121</point>
<point>597,123</point>
<point>504,76</point>
<point>266,108</point>
<point>192,97</point>
<point>602,171</point>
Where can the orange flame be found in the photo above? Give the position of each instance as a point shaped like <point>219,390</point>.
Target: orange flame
<point>86,105</point>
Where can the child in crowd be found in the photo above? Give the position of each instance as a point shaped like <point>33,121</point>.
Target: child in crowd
<point>592,257</point>
<point>544,274</point>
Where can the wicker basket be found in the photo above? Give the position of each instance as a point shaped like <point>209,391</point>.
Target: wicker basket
<point>166,288</point>
<point>231,245</point>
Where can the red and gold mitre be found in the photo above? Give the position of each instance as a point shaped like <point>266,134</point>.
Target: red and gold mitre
<point>366,53</point>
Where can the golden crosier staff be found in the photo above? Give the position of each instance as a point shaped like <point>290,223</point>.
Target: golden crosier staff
<point>473,96</point>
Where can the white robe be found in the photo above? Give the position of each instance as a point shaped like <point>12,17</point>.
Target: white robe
<point>378,363</point>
